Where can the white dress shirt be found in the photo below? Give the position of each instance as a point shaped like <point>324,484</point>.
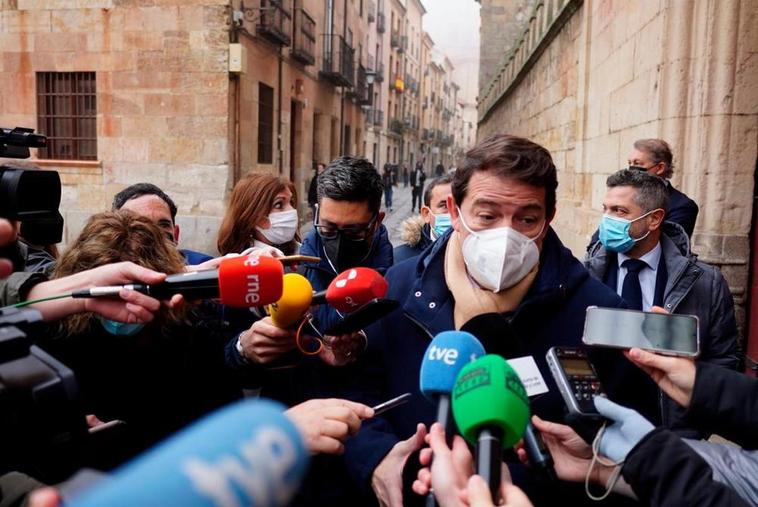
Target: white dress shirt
<point>648,277</point>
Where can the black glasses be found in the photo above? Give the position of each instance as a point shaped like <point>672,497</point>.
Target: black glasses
<point>355,232</point>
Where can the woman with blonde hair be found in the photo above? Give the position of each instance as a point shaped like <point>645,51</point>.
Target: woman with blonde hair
<point>262,217</point>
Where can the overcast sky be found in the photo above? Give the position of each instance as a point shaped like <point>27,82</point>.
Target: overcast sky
<point>454,27</point>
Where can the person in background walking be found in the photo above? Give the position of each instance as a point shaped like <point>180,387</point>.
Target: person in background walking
<point>439,170</point>
<point>405,177</point>
<point>417,187</point>
<point>388,181</point>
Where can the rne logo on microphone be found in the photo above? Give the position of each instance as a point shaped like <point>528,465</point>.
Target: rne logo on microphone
<point>447,356</point>
<point>253,288</point>
<point>252,260</point>
<point>259,472</point>
<point>352,275</point>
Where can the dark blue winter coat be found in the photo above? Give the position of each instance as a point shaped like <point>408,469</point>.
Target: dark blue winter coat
<point>551,314</point>
<point>320,276</point>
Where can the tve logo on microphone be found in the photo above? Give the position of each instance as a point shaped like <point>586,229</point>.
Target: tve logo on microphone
<point>446,355</point>
<point>448,352</point>
<point>247,454</point>
<point>261,471</point>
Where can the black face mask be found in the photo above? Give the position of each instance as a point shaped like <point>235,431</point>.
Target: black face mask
<point>345,253</point>
<point>637,168</point>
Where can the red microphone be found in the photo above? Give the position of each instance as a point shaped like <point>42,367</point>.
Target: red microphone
<point>241,282</point>
<point>352,289</point>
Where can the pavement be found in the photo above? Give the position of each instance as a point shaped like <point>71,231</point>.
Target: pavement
<point>401,209</point>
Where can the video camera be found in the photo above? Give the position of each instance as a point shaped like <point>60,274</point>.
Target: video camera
<point>31,197</point>
<point>40,418</point>
<point>41,421</point>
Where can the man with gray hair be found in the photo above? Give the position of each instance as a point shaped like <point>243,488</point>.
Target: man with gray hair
<point>654,157</point>
<point>648,262</point>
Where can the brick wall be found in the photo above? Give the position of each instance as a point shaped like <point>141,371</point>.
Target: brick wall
<point>162,97</point>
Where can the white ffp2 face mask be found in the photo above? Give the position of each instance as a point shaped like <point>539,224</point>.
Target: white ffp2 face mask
<point>497,259</point>
<point>283,227</point>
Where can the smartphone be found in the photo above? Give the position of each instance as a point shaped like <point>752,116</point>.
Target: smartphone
<point>576,379</point>
<point>390,404</point>
<point>664,333</point>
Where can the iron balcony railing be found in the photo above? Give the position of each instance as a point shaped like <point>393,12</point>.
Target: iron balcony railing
<point>375,117</point>
<point>397,126</point>
<point>361,91</point>
<point>371,11</point>
<point>381,22</point>
<point>304,43</point>
<point>338,60</point>
<point>274,22</point>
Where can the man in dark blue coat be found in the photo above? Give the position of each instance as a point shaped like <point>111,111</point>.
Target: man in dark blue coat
<point>348,230</point>
<point>501,258</point>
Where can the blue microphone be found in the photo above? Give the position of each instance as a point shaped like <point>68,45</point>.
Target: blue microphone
<point>247,453</point>
<point>445,357</point>
<point>448,353</point>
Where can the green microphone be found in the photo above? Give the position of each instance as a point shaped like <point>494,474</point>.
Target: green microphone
<point>491,409</point>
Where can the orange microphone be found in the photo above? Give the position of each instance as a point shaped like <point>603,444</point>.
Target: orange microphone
<point>240,282</point>
<point>294,303</point>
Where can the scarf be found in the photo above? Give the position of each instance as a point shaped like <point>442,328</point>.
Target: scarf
<point>470,299</point>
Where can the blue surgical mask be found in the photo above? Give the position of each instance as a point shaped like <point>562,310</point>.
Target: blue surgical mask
<point>442,223</point>
<point>120,328</point>
<point>614,233</point>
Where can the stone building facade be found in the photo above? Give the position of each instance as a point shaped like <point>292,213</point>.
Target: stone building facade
<point>193,94</point>
<point>587,78</point>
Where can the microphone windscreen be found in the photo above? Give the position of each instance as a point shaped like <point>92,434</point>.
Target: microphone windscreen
<point>247,453</point>
<point>496,334</point>
<point>295,301</point>
<point>444,358</point>
<point>489,394</point>
<point>249,281</point>
<point>354,288</point>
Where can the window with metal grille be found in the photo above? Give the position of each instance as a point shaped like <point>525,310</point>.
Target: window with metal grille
<point>265,124</point>
<point>67,115</point>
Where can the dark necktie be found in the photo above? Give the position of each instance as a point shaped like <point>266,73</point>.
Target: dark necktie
<point>631,291</point>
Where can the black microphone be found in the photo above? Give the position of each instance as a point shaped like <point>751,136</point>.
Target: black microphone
<point>498,337</point>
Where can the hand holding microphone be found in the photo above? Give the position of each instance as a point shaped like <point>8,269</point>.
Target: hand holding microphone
<point>241,282</point>
<point>491,409</point>
<point>452,477</point>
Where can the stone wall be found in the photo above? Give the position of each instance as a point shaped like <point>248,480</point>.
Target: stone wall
<point>620,71</point>
<point>502,24</point>
<point>162,97</point>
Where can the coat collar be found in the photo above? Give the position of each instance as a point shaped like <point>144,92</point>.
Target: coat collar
<point>430,304</point>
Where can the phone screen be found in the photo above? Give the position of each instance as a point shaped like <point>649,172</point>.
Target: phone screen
<point>610,327</point>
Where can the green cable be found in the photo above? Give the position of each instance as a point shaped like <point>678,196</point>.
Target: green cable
<point>40,300</point>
